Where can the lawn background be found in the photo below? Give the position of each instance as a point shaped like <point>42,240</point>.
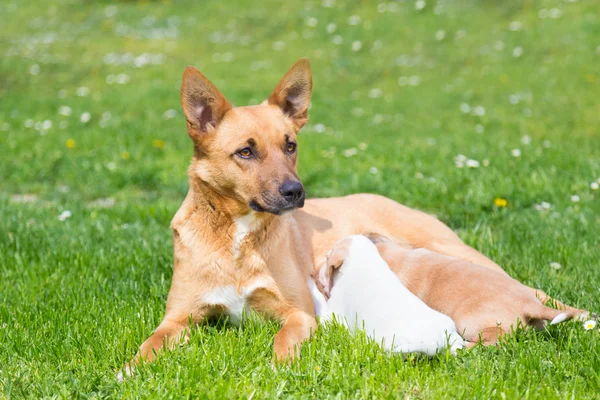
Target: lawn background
<point>400,90</point>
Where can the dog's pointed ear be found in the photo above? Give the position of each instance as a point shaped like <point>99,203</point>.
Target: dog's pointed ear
<point>292,93</point>
<point>203,104</point>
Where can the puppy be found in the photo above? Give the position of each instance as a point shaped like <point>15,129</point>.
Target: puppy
<point>483,303</point>
<point>362,291</point>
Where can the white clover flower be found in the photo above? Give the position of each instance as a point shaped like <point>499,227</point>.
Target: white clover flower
<point>319,128</point>
<point>555,265</point>
<point>65,215</point>
<point>589,325</point>
<point>555,13</point>
<point>515,152</point>
<point>170,113</point>
<point>517,52</point>
<point>337,39</point>
<point>515,26</point>
<point>351,152</point>
<point>279,45</point>
<point>545,205</point>
<point>356,45</point>
<point>479,111</point>
<point>312,22</point>
<point>440,35</point>
<point>373,170</point>
<point>82,91</point>
<point>122,79</point>
<point>472,163</point>
<point>331,28</point>
<point>47,124</point>
<point>420,4</point>
<point>575,198</point>
<point>34,69</point>
<point>29,123</point>
<point>460,158</point>
<point>465,108</point>
<point>64,110</point>
<point>353,20</point>
<point>594,185</point>
<point>375,93</point>
<point>526,139</point>
<point>85,117</point>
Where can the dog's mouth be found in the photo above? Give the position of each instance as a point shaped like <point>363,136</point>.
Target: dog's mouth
<point>276,209</point>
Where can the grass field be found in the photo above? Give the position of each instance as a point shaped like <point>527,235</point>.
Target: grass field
<point>485,115</point>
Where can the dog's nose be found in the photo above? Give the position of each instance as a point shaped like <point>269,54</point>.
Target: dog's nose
<point>292,191</point>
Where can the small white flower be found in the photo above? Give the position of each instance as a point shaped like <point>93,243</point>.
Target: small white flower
<point>479,128</point>
<point>122,79</point>
<point>485,163</point>
<point>465,108</point>
<point>312,22</point>
<point>515,152</point>
<point>65,215</point>
<point>440,35</point>
<point>375,93</point>
<point>526,139</point>
<point>29,123</point>
<point>547,144</point>
<point>594,185</point>
<point>479,111</point>
<point>170,113</point>
<point>110,79</point>
<point>362,146</point>
<point>514,99</point>
<point>414,80</point>
<point>82,91</point>
<point>356,45</point>
<point>373,170</point>
<point>545,205</point>
<point>420,4</point>
<point>47,124</point>
<point>331,28</point>
<point>279,45</point>
<point>589,325</point>
<point>472,163</point>
<point>353,20</point>
<point>575,198</point>
<point>460,158</point>
<point>319,128</point>
<point>64,110</point>
<point>515,26</point>
<point>337,39</point>
<point>352,151</point>
<point>555,265</point>
<point>555,13</point>
<point>85,117</point>
<point>517,52</point>
<point>34,69</point>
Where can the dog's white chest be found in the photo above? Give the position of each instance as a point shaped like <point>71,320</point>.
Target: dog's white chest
<point>243,226</point>
<point>234,301</point>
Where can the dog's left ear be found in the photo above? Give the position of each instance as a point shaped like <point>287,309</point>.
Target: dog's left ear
<point>293,92</point>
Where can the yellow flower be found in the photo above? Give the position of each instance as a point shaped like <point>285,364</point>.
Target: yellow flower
<point>500,202</point>
<point>125,155</point>
<point>157,143</point>
<point>318,369</point>
<point>70,144</point>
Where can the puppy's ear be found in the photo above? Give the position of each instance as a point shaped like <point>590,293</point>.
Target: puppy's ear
<point>293,92</point>
<point>203,104</point>
<point>335,259</point>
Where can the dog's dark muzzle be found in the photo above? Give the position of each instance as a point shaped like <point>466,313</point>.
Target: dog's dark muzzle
<point>293,193</point>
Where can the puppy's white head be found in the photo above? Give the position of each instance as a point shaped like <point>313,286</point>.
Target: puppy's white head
<point>356,247</point>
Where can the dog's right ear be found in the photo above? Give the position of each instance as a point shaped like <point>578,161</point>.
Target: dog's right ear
<point>335,259</point>
<point>203,104</point>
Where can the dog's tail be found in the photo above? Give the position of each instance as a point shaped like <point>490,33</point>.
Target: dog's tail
<point>539,314</point>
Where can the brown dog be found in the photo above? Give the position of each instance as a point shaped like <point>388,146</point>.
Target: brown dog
<point>483,303</point>
<point>239,237</point>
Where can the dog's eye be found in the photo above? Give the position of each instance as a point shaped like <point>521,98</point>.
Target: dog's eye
<point>246,152</point>
<point>291,147</point>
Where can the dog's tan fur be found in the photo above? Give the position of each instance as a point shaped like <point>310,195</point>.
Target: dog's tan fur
<point>483,303</point>
<point>222,246</point>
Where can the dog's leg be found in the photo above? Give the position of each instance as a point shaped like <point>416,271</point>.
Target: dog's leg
<point>297,327</point>
<point>170,333</point>
<point>578,314</point>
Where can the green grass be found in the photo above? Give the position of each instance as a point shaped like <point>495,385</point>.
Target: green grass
<point>78,296</point>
